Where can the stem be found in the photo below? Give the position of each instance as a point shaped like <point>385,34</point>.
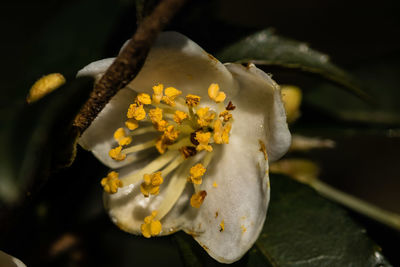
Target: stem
<point>128,63</point>
<point>388,218</point>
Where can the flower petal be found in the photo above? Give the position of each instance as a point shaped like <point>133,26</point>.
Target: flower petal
<point>236,181</point>
<point>174,60</point>
<point>7,260</point>
<point>260,94</point>
<point>177,61</point>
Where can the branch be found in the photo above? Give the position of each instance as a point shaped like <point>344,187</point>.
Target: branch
<point>128,63</point>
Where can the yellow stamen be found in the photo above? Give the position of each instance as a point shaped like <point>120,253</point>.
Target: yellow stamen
<point>222,226</point>
<point>196,173</point>
<point>158,93</point>
<point>205,116</point>
<point>44,86</point>
<point>121,138</point>
<point>218,130</point>
<point>170,94</point>
<point>203,139</point>
<point>215,184</point>
<point>161,125</point>
<point>151,227</point>
<point>171,134</point>
<point>155,115</point>
<point>111,183</point>
<point>151,184</point>
<point>152,167</point>
<point>179,116</point>
<point>215,94</point>
<point>192,100</point>
<point>197,199</point>
<point>226,115</point>
<point>143,99</point>
<point>161,145</point>
<point>136,112</point>
<point>139,147</point>
<point>225,133</point>
<point>243,228</point>
<point>132,124</point>
<point>116,154</point>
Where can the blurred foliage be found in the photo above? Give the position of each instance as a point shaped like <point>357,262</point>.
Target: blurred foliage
<point>267,48</point>
<point>62,36</point>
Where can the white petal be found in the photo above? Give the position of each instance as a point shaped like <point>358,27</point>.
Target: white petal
<point>96,69</point>
<point>98,138</point>
<point>128,207</point>
<point>260,94</point>
<point>174,60</point>
<point>7,260</point>
<point>240,171</point>
<point>177,61</point>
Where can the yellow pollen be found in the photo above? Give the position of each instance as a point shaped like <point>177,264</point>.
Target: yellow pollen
<point>136,112</point>
<point>111,183</point>
<point>155,115</point>
<point>203,139</point>
<point>151,184</point>
<point>151,227</point>
<point>226,115</point>
<point>143,99</point>
<point>132,124</point>
<point>158,93</point>
<point>192,100</point>
<point>197,199</point>
<point>215,184</point>
<point>215,94</point>
<point>161,146</point>
<point>171,134</point>
<point>179,116</point>
<point>170,94</point>
<point>243,228</point>
<point>205,116</point>
<point>196,173</point>
<point>121,138</point>
<point>161,125</point>
<point>218,129</point>
<point>44,86</point>
<point>116,154</point>
<point>221,133</point>
<point>225,133</point>
<point>222,226</point>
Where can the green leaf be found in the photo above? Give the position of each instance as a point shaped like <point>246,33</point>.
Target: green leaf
<point>40,139</point>
<point>302,229</point>
<point>267,48</point>
<point>383,81</point>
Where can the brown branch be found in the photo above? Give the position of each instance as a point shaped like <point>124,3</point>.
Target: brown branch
<point>129,62</point>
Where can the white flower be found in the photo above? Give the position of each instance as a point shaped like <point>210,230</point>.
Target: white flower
<point>219,194</point>
<point>7,260</point>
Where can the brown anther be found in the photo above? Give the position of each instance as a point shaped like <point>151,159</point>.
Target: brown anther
<point>230,106</point>
<point>193,139</point>
<point>188,151</point>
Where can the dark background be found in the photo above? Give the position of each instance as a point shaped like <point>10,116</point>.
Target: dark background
<point>40,37</point>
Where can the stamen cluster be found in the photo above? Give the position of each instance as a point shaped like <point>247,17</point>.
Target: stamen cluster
<point>185,129</point>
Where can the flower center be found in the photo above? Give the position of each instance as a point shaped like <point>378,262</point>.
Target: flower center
<point>183,129</point>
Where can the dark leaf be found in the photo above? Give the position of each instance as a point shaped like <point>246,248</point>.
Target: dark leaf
<point>40,139</point>
<point>383,82</point>
<point>267,48</point>
<point>302,229</point>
